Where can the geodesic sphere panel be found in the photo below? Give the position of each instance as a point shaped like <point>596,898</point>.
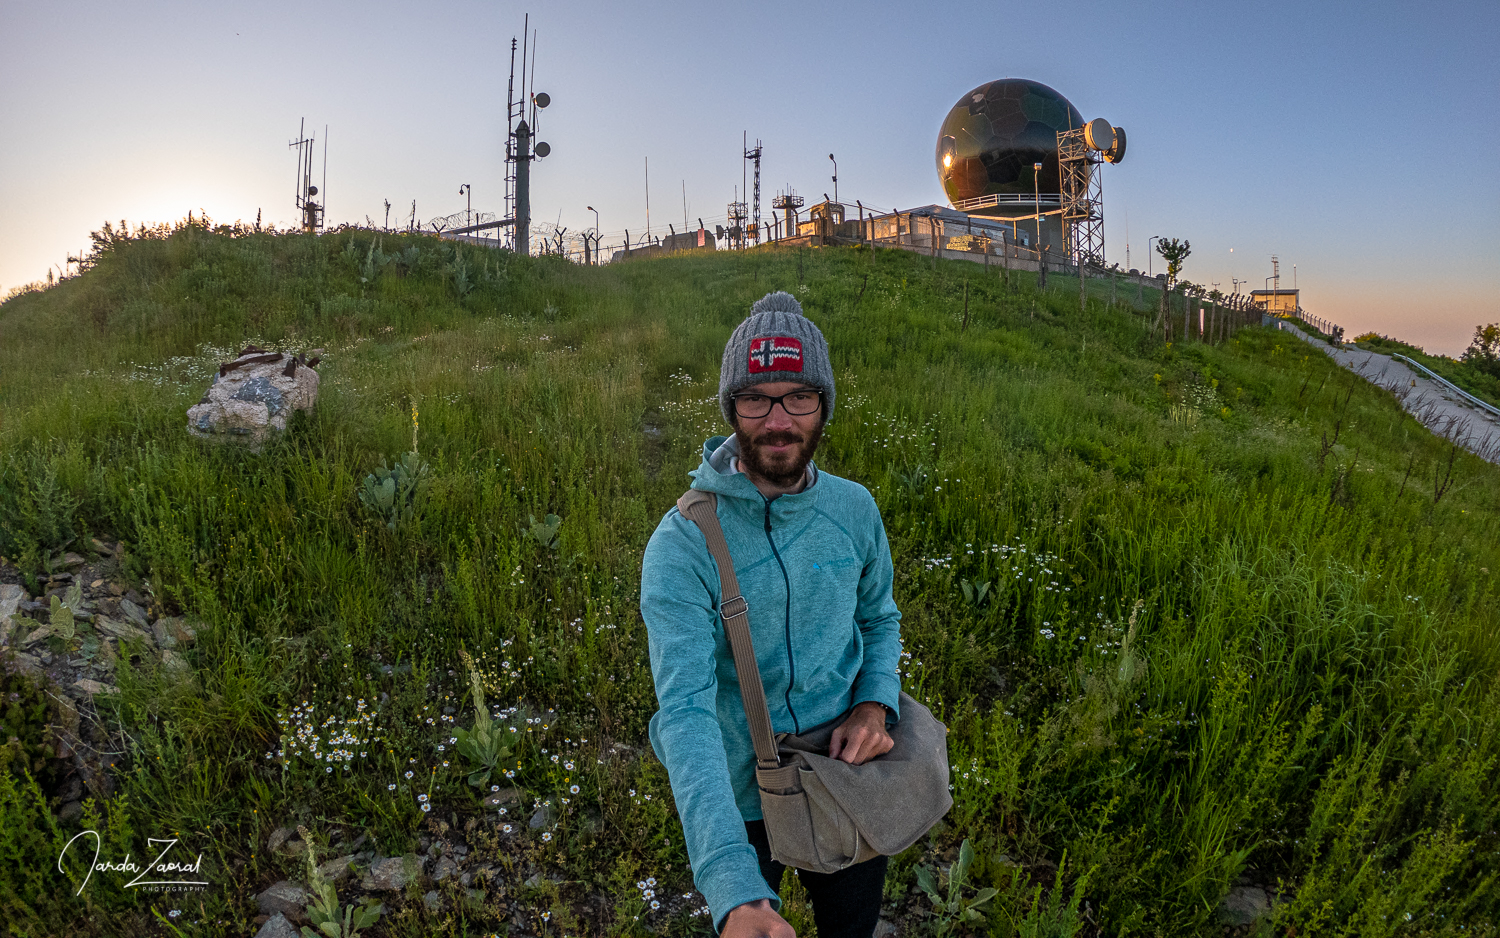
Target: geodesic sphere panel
<point>996,133</point>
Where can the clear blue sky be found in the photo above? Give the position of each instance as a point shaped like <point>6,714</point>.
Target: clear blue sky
<point>1354,140</point>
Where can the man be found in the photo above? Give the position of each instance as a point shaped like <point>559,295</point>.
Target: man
<point>813,562</point>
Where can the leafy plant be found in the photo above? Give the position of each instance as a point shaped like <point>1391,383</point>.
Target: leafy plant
<point>488,743</point>
<point>955,908</point>
<point>545,532</point>
<point>394,495</point>
<point>61,614</point>
<point>462,283</point>
<point>1053,917</point>
<point>975,593</point>
<point>331,919</point>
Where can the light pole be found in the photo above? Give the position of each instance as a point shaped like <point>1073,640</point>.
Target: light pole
<point>468,190</point>
<point>1036,193</point>
<point>1150,268</point>
<point>835,178</point>
<point>597,232</point>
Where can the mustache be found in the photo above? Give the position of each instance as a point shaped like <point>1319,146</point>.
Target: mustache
<point>778,438</point>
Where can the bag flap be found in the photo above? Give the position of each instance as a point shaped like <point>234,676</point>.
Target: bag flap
<point>896,798</point>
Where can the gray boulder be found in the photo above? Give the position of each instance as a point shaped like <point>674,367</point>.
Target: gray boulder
<point>253,396</point>
<point>337,869</point>
<point>446,867</point>
<point>1244,905</point>
<point>277,927</point>
<point>285,898</point>
<point>11,597</point>
<point>392,873</point>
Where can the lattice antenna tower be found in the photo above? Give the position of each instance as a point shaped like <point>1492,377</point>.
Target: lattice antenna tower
<point>304,193</point>
<point>738,213</point>
<point>510,140</point>
<point>1080,153</point>
<point>753,154</point>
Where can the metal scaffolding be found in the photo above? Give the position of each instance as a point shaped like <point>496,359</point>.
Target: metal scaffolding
<point>1082,198</point>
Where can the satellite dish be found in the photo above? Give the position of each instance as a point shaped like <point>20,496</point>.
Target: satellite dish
<point>542,149</point>
<point>1116,153</point>
<point>312,190</point>
<point>542,99</point>
<point>1098,134</point>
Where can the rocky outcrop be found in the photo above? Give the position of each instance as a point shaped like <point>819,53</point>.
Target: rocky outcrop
<point>71,640</point>
<point>253,396</point>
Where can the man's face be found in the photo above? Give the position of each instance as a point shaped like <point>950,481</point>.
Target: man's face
<point>778,446</point>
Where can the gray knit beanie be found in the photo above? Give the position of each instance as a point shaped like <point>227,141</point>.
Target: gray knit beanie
<point>775,343</point>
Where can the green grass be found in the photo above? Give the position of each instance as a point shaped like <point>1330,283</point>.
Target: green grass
<point>1229,631</point>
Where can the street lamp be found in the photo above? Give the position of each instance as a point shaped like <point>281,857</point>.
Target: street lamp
<point>835,177</point>
<point>1150,268</point>
<point>468,190</point>
<point>597,232</point>
<point>1036,193</point>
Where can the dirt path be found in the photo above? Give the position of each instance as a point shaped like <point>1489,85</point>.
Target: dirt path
<point>1435,405</point>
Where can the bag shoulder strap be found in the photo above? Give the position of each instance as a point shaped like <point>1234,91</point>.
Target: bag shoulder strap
<point>701,508</point>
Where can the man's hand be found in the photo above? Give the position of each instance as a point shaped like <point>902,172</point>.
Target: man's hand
<point>756,920</point>
<point>862,736</point>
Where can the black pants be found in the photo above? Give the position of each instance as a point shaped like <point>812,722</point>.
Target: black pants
<point>845,904</point>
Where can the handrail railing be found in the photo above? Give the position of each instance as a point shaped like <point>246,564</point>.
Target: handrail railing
<point>983,201</point>
<point>1448,384</point>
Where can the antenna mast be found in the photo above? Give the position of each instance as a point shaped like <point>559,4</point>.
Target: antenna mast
<point>753,154</point>
<point>304,191</point>
<point>520,148</point>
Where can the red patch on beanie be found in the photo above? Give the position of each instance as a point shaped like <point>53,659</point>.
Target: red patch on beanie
<point>775,353</point>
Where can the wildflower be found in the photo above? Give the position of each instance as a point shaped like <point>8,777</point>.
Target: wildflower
<point>546,836</point>
<point>421,797</point>
<point>408,773</point>
<point>426,807</point>
<point>505,827</point>
<point>391,787</point>
<point>573,790</point>
<point>494,788</point>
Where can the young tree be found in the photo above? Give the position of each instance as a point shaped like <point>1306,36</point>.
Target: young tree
<point>1484,352</point>
<point>1174,252</point>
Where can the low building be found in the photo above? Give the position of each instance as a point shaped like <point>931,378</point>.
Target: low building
<point>1276,302</point>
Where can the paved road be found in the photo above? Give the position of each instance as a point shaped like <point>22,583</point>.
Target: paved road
<point>1436,406</point>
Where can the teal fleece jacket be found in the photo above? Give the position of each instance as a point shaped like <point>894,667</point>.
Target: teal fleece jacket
<point>815,568</point>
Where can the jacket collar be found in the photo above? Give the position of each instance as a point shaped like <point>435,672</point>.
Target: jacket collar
<point>719,473</point>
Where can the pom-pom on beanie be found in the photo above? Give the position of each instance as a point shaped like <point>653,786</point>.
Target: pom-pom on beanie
<point>775,343</point>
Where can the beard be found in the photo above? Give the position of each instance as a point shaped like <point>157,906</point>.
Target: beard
<point>783,470</point>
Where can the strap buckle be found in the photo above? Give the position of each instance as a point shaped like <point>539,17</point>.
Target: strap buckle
<point>742,609</point>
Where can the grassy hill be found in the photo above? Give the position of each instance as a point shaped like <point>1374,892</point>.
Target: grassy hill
<point>1198,617</point>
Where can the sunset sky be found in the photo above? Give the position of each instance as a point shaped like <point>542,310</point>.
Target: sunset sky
<point>1355,141</point>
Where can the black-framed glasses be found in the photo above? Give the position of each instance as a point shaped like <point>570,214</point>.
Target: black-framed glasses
<point>798,403</point>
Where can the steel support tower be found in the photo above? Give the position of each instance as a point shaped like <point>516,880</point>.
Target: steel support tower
<point>738,212</point>
<point>788,202</point>
<point>1082,198</point>
<point>753,154</point>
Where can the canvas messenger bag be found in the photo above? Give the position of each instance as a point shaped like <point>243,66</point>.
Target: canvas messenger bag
<point>822,814</point>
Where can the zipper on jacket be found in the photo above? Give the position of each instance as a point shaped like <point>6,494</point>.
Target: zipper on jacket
<point>791,665</point>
